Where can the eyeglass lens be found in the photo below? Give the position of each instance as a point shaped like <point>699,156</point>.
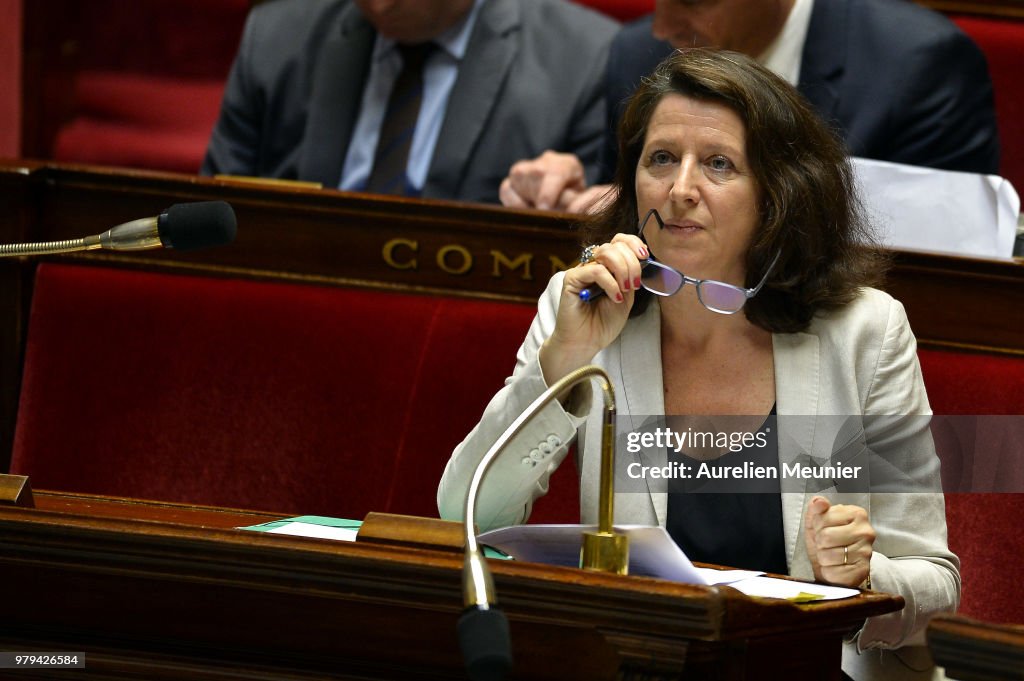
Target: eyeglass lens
<point>721,297</point>
<point>666,281</point>
<point>660,279</point>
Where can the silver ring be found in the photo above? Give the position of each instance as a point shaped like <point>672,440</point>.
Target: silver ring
<point>587,255</point>
<point>846,555</point>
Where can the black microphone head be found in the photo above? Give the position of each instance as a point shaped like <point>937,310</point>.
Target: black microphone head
<point>188,226</point>
<point>486,646</point>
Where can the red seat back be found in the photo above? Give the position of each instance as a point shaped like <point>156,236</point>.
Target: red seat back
<point>982,527</point>
<point>276,396</point>
<point>622,10</point>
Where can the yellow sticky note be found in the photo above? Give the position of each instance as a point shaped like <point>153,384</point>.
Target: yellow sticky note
<point>804,597</point>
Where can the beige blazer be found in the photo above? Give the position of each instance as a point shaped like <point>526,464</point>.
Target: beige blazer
<point>860,360</point>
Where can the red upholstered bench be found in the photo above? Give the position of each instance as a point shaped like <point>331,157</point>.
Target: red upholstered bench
<point>336,401</point>
<point>623,10</point>
<point>265,395</point>
<point>145,79</point>
<point>140,121</point>
<point>983,528</point>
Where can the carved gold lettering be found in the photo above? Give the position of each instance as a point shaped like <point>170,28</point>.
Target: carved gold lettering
<point>462,252</point>
<point>455,259</point>
<point>389,254</point>
<point>524,261</point>
<point>558,265</point>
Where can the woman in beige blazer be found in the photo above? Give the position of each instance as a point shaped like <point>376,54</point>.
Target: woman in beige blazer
<point>745,291</point>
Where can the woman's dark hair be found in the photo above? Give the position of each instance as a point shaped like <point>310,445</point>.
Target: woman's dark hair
<point>809,212</point>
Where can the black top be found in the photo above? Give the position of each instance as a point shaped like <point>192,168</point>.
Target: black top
<point>735,521</point>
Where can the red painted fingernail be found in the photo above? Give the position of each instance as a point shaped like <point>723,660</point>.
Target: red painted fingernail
<point>636,283</point>
<point>618,297</point>
<point>643,252</point>
<point>625,285</point>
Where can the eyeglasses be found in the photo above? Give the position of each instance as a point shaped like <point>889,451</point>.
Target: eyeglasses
<point>717,296</point>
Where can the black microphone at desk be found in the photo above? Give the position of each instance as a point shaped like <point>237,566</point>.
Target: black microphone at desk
<point>183,227</point>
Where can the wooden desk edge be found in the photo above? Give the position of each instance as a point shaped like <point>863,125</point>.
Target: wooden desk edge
<point>71,514</point>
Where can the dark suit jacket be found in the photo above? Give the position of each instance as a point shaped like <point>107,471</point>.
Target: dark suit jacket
<point>899,82</point>
<point>532,79</point>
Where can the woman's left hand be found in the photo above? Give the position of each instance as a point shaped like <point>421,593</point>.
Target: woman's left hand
<point>839,542</point>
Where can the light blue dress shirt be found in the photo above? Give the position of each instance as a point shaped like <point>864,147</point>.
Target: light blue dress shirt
<point>439,74</point>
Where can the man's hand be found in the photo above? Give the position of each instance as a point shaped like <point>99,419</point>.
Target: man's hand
<point>549,182</point>
<point>590,200</point>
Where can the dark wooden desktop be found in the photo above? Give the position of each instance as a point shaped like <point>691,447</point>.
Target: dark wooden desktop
<point>977,651</point>
<point>164,591</point>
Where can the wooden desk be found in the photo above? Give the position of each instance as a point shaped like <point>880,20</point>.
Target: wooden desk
<point>328,237</point>
<point>163,591</point>
<point>977,651</point>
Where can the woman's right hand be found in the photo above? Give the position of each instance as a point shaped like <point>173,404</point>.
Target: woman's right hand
<point>582,329</point>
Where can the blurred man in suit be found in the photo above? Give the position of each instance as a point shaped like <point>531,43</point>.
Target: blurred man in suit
<point>418,97</point>
<point>899,82</point>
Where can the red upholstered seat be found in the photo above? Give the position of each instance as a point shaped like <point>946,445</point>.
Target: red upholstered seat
<point>146,80</point>
<point>973,383</point>
<point>284,397</point>
<point>984,533</point>
<point>983,528</point>
<point>623,10</point>
<point>144,121</point>
<point>88,140</point>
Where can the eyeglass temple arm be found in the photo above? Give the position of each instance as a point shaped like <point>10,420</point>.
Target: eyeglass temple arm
<point>751,292</point>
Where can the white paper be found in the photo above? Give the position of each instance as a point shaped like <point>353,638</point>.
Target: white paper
<point>316,531</point>
<point>652,553</point>
<point>924,209</point>
<point>713,576</point>
<point>772,587</point>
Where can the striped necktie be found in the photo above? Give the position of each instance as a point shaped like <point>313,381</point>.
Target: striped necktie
<point>399,124</point>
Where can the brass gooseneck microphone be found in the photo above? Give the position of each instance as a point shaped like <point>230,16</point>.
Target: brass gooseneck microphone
<point>483,629</point>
